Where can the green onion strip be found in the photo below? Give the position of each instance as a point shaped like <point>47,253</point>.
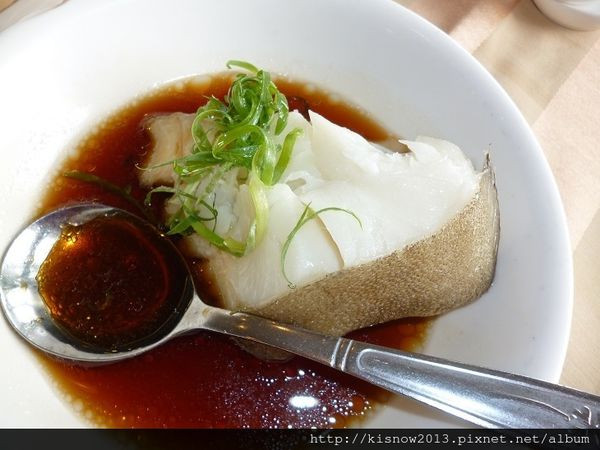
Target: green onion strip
<point>240,137</point>
<point>307,215</point>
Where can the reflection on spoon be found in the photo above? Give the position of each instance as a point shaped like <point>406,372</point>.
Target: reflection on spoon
<point>484,397</point>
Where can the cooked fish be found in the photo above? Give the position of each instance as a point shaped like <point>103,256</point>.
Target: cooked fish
<point>412,234</point>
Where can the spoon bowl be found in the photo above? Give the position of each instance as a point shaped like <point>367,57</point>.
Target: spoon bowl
<point>482,396</point>
<point>26,311</point>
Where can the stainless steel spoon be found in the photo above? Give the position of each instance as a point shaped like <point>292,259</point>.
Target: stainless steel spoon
<point>485,397</point>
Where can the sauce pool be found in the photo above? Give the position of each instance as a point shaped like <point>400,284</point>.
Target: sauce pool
<point>205,379</point>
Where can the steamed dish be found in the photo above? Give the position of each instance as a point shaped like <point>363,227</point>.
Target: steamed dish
<point>304,221</point>
<point>298,219</point>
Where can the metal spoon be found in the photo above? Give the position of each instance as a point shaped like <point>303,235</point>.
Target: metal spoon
<point>485,397</point>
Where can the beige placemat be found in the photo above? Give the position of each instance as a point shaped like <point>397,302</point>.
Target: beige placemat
<point>5,4</point>
<point>553,75</point>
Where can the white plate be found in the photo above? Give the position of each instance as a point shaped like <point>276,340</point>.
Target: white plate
<point>63,71</point>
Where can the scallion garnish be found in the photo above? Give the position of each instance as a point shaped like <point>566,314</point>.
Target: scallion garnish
<point>239,136</point>
<point>124,193</point>
<point>307,215</point>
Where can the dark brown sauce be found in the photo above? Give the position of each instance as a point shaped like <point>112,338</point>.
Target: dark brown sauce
<point>111,283</point>
<point>206,380</point>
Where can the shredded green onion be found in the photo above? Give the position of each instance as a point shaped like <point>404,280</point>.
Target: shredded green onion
<point>124,193</point>
<point>240,136</point>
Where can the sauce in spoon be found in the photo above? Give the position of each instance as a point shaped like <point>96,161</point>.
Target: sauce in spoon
<point>110,283</point>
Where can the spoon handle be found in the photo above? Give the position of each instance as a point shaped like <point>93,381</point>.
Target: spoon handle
<point>485,397</point>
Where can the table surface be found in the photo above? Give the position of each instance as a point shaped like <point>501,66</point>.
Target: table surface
<point>553,75</point>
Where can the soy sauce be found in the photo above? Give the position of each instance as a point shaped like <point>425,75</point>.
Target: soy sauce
<point>111,283</point>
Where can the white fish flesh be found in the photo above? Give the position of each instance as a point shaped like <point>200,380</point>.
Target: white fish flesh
<point>400,199</point>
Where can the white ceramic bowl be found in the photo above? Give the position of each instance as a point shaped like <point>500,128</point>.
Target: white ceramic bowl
<point>65,70</point>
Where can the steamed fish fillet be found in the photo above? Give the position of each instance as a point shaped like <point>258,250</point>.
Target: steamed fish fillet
<point>348,274</point>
